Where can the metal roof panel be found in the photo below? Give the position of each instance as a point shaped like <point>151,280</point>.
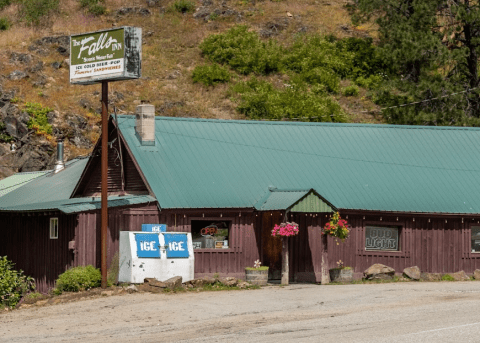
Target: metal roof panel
<point>202,163</point>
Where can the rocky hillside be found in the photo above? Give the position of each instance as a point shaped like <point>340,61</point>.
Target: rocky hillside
<point>38,105</point>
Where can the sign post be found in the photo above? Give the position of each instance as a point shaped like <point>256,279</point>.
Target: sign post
<point>100,57</point>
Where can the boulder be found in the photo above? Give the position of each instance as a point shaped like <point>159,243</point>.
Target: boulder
<point>155,283</point>
<point>56,65</point>
<point>208,280</point>
<point>17,75</point>
<point>243,284</point>
<point>460,276</point>
<point>430,276</point>
<point>174,282</point>
<point>171,283</point>
<point>379,271</point>
<point>412,273</point>
<point>14,127</point>
<point>229,281</point>
<point>19,57</point>
<point>476,274</point>
<point>131,289</point>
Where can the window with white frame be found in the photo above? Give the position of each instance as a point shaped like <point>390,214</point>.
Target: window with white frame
<point>53,228</point>
<point>475,238</point>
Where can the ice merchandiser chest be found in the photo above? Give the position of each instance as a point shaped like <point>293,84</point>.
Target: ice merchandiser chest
<point>159,255</point>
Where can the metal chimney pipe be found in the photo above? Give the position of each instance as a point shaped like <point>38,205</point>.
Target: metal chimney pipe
<point>60,164</point>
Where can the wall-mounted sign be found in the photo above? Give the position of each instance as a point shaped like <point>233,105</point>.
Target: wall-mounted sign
<point>177,245</point>
<point>148,245</point>
<point>110,55</point>
<point>154,228</point>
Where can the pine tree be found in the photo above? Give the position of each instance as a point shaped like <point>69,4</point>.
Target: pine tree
<point>434,47</point>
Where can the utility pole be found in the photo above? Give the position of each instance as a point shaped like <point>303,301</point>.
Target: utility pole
<point>104,169</point>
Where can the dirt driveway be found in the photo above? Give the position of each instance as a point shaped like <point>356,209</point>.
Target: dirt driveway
<point>393,312</point>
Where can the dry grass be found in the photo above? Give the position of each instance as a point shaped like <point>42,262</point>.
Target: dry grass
<point>170,53</point>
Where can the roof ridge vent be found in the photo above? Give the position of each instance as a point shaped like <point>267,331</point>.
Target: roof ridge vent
<point>145,124</point>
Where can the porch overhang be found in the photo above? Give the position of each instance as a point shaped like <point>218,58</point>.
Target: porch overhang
<point>294,201</point>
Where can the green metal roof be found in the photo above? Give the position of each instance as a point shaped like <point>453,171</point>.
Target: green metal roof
<point>311,203</point>
<point>294,201</point>
<point>46,188</point>
<point>17,180</point>
<point>280,200</point>
<point>75,205</point>
<point>200,163</point>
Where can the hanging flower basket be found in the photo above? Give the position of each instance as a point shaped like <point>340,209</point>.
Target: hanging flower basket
<point>337,227</point>
<point>285,230</point>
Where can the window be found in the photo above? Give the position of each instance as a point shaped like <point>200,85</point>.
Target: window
<point>475,238</point>
<point>210,234</point>
<point>53,228</point>
<point>382,238</point>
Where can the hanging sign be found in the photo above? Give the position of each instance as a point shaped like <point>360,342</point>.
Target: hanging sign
<point>154,228</point>
<point>110,55</point>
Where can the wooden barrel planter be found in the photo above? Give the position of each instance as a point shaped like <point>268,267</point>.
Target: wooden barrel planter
<point>341,275</point>
<point>257,276</point>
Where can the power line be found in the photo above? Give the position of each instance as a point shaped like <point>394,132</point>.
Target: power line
<point>381,109</point>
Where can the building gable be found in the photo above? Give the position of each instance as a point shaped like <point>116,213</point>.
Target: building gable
<point>123,174</point>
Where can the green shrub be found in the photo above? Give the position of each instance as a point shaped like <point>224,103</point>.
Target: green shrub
<point>324,77</point>
<point>183,6</point>
<point>366,59</point>
<point>33,11</point>
<point>261,100</point>
<point>4,24</point>
<point>4,3</point>
<point>370,82</point>
<point>308,53</point>
<point>243,51</point>
<point>447,277</point>
<point>95,7</point>
<point>38,118</point>
<point>13,284</point>
<point>78,278</point>
<point>350,91</point>
<point>210,74</point>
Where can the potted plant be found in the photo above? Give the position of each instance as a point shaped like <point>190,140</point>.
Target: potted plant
<point>337,227</point>
<point>342,273</point>
<point>285,230</point>
<point>257,275</point>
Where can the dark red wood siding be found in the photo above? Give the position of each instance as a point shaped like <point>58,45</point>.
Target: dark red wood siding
<point>434,244</point>
<point>26,241</point>
<point>226,262</point>
<point>243,241</point>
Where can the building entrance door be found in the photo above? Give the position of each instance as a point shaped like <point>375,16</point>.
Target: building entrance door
<point>271,246</point>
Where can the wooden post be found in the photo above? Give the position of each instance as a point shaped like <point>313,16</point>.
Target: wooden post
<point>104,168</point>
<point>325,271</point>
<point>285,261</point>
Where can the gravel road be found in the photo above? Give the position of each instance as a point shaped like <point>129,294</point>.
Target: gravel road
<point>391,312</point>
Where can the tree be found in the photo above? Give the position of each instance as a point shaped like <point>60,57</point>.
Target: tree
<point>434,46</point>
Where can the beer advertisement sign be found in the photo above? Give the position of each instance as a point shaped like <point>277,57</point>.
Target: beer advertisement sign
<point>109,55</point>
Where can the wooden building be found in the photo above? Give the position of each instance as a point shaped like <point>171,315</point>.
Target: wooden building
<point>410,194</point>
